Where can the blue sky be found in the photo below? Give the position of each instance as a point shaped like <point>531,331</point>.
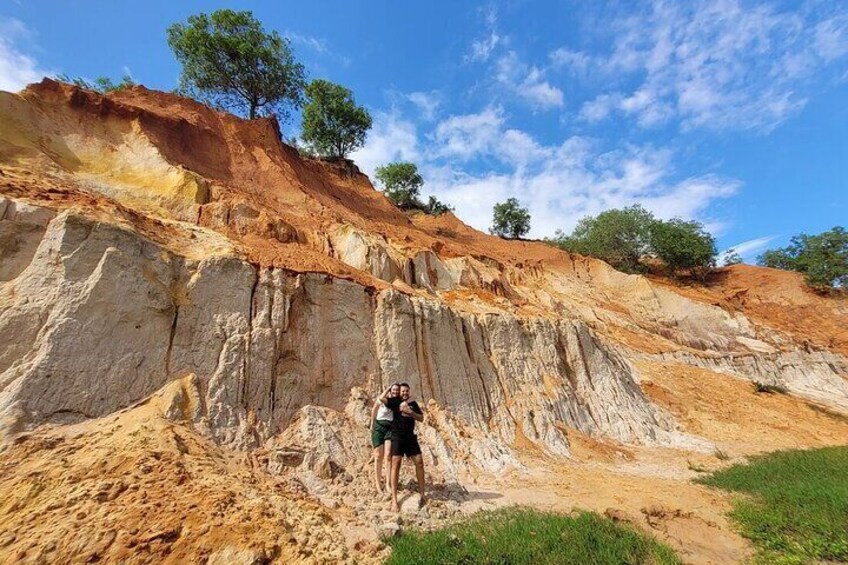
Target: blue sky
<point>731,112</point>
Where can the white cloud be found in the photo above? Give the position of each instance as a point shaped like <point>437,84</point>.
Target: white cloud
<point>318,45</point>
<point>427,102</point>
<point>558,183</point>
<point>599,108</point>
<point>576,61</point>
<point>831,38</point>
<point>468,136</point>
<point>528,82</point>
<point>17,69</point>
<point>391,139</point>
<point>481,49</point>
<point>716,64</point>
<point>748,250</point>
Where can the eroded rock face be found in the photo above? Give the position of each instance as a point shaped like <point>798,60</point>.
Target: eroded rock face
<point>101,318</point>
<point>813,374</point>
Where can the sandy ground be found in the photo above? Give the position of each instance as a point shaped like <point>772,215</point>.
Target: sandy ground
<point>134,487</point>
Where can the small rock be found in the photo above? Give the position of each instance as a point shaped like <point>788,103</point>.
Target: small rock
<point>329,502</point>
<point>412,505</point>
<point>289,458</point>
<point>388,529</point>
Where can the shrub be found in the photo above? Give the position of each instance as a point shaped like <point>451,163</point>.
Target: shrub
<point>731,257</point>
<point>100,84</point>
<point>763,388</point>
<point>683,245</point>
<point>823,258</point>
<point>510,219</point>
<point>619,237</point>
<point>626,237</point>
<point>435,207</point>
<point>402,185</point>
<point>230,62</point>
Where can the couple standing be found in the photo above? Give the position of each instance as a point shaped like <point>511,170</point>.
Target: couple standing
<point>393,435</point>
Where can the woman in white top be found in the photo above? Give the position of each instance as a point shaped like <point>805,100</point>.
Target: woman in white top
<point>381,439</point>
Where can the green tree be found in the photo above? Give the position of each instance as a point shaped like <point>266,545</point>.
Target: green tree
<point>401,183</point>
<point>823,258</point>
<point>333,125</point>
<point>510,219</point>
<point>683,245</point>
<point>621,237</point>
<point>100,84</point>
<point>230,62</point>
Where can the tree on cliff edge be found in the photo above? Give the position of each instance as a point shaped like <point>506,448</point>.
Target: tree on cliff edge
<point>822,258</point>
<point>510,219</point>
<point>231,63</point>
<point>333,125</point>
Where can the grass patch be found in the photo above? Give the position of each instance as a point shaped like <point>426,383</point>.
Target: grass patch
<point>798,511</point>
<point>519,535</point>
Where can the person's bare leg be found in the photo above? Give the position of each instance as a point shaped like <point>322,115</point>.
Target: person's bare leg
<point>387,449</point>
<point>378,468</point>
<point>419,474</point>
<point>396,460</point>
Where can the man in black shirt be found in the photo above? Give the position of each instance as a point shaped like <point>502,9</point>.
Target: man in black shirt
<point>404,442</point>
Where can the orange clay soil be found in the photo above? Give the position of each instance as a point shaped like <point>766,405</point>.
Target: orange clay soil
<point>246,161</point>
<point>134,487</point>
<point>779,299</point>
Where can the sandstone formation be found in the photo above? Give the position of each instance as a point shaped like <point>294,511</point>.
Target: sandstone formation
<point>184,272</point>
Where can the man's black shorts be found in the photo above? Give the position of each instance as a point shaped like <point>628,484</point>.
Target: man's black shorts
<point>405,445</point>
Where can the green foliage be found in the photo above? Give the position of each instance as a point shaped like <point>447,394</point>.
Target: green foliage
<point>619,237</point>
<point>521,535</point>
<point>333,125</point>
<point>230,62</point>
<point>100,84</point>
<point>798,508</point>
<point>822,258</point>
<point>682,245</point>
<point>510,219</point>
<point>435,207</point>
<point>402,185</point>
<point>625,237</point>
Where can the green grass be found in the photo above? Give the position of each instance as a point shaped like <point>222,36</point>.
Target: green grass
<point>798,508</point>
<point>516,535</point>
